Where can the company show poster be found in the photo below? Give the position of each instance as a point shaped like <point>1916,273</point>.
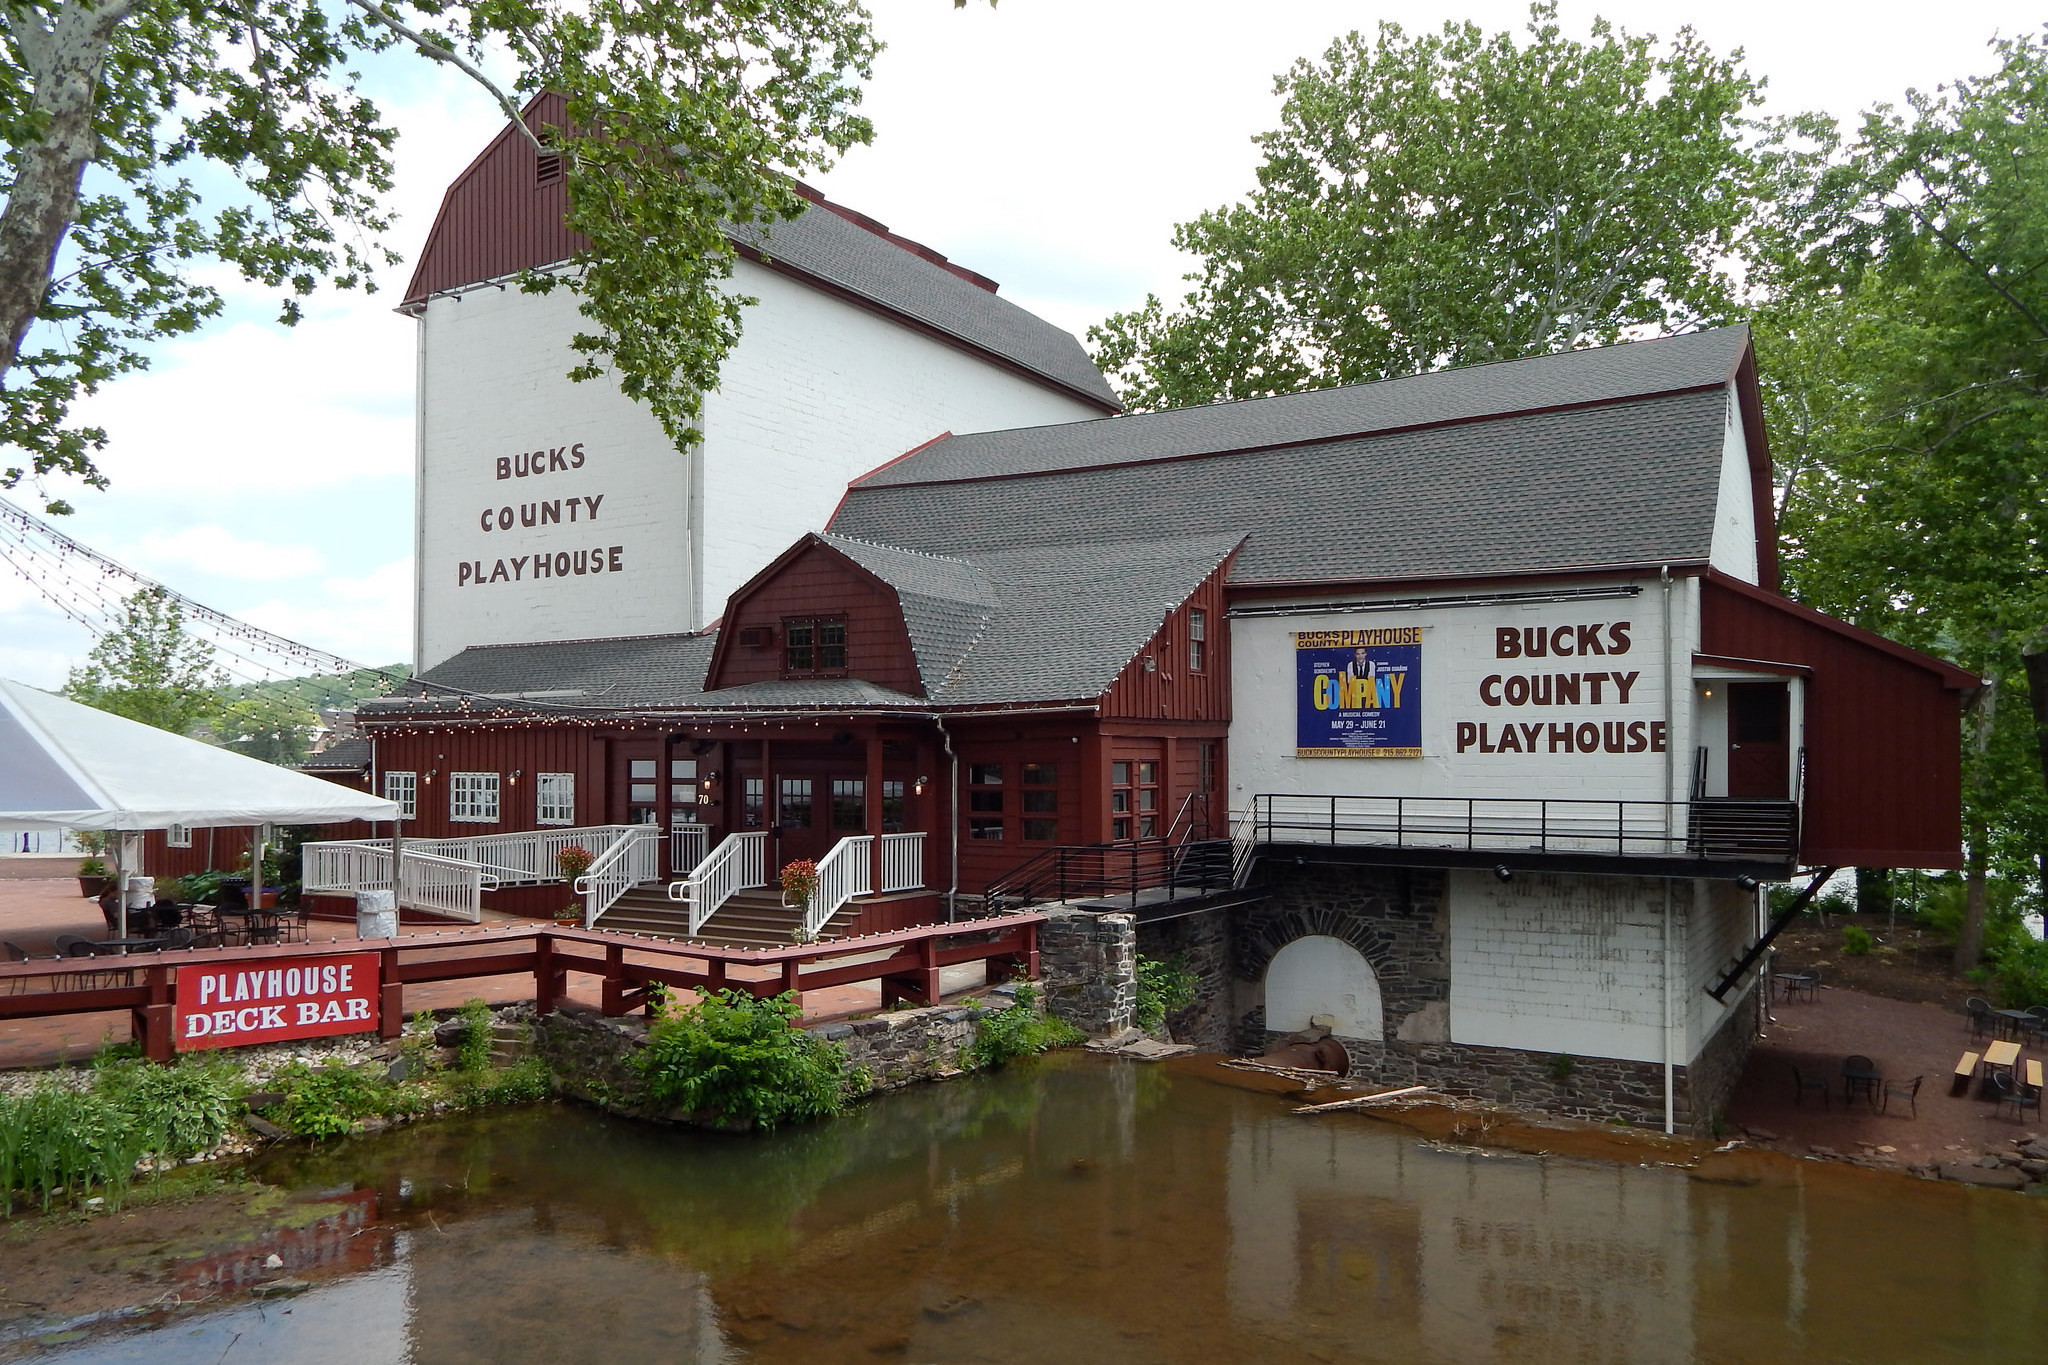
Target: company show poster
<point>1358,693</point>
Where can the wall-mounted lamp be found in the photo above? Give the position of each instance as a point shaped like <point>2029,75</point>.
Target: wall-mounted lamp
<point>1708,692</point>
<point>918,786</point>
<point>431,773</point>
<point>1151,664</point>
<point>516,774</point>
<point>1503,873</point>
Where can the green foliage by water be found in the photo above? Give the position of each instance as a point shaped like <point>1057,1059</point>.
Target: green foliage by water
<point>1019,1031</point>
<point>473,1051</point>
<point>2015,962</point>
<point>742,1061</point>
<point>327,1100</point>
<point>1163,987</point>
<point>87,1141</point>
<point>1856,941</point>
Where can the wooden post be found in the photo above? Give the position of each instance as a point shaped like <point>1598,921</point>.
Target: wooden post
<point>391,998</point>
<point>714,971</point>
<point>874,811</point>
<point>612,997</point>
<point>155,1021</point>
<point>928,973</point>
<point>544,982</point>
<point>792,980</point>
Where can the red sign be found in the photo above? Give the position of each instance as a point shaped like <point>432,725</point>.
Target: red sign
<point>302,997</point>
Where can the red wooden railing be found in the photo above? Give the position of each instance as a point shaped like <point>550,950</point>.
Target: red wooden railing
<point>905,961</point>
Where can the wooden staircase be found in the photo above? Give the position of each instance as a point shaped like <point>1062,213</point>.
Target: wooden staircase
<point>751,919</point>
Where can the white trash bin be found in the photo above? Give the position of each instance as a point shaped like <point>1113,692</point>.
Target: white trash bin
<point>376,914</point>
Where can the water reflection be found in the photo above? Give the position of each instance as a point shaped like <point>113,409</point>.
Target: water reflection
<point>1087,1210</point>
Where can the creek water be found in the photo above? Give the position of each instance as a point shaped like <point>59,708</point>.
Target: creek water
<point>1080,1209</point>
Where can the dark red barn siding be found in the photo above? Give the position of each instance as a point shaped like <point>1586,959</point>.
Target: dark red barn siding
<point>1170,689</point>
<point>1010,744</point>
<point>496,219</point>
<point>1883,758</point>
<point>526,750</point>
<point>815,580</point>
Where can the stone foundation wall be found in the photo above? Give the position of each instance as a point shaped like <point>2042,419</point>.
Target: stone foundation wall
<point>1711,1079</point>
<point>591,1055</point>
<point>1088,969</point>
<point>1396,918</point>
<point>1202,942</point>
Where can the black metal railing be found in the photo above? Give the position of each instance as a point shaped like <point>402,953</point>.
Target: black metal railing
<point>1113,871</point>
<point>1732,830</point>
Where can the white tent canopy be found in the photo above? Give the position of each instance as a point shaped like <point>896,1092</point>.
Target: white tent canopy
<point>67,766</point>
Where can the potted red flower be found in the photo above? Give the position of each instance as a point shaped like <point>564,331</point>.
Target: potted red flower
<point>799,879</point>
<point>574,861</point>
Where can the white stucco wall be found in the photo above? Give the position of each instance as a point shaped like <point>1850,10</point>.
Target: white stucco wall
<point>1561,963</point>
<point>817,392</point>
<point>1322,976</point>
<point>1460,653</point>
<point>1734,543</point>
<point>1721,923</point>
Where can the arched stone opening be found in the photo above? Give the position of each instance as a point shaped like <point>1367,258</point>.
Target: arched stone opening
<point>1319,975</point>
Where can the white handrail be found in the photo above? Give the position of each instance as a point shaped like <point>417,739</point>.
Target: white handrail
<point>514,858</point>
<point>903,862</point>
<point>847,871</point>
<point>688,843</point>
<point>739,863</point>
<point>426,882</point>
<point>632,859</point>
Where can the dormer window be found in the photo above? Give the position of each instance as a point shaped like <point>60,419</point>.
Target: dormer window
<point>814,646</point>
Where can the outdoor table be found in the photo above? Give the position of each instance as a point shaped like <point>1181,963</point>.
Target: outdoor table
<point>1856,1078</point>
<point>2015,1020</point>
<point>258,926</point>
<point>2034,1072</point>
<point>1791,983</point>
<point>1998,1057</point>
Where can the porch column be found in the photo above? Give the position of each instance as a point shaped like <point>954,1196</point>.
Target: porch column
<point>921,810</point>
<point>874,813</point>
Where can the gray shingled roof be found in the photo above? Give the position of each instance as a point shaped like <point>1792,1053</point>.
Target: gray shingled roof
<point>348,753</point>
<point>1597,375</point>
<point>1633,480</point>
<point>636,671</point>
<point>822,244</point>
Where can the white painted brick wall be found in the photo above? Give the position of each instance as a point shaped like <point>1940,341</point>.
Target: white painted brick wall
<point>1722,924</point>
<point>1559,963</point>
<point>817,393</point>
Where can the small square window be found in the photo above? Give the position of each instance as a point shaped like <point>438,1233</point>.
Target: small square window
<point>814,645</point>
<point>985,829</point>
<point>178,836</point>
<point>1041,802</point>
<point>682,770</point>
<point>682,794</point>
<point>642,770</point>
<point>985,801</point>
<point>849,804</point>
<point>795,809</point>
<point>1042,831</point>
<point>641,793</point>
<point>404,788</point>
<point>1120,774</point>
<point>1041,774</point>
<point>985,774</point>
<point>473,798</point>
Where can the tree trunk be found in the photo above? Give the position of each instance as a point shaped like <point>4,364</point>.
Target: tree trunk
<point>1970,941</point>
<point>2037,696</point>
<point>64,63</point>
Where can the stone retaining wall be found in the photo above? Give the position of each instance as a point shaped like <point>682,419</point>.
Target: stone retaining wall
<point>1088,969</point>
<point>1202,942</point>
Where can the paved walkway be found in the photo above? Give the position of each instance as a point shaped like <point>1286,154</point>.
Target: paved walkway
<point>1905,1039</point>
<point>33,911</point>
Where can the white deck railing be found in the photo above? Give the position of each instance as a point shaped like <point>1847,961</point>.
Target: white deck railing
<point>739,863</point>
<point>426,882</point>
<point>688,844</point>
<point>903,862</point>
<point>847,871</point>
<point>633,858</point>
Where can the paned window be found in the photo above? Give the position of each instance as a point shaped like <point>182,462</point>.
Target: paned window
<point>1040,800</point>
<point>794,811</point>
<point>640,782</point>
<point>1198,639</point>
<point>473,798</point>
<point>555,799</point>
<point>178,836</point>
<point>892,807</point>
<point>753,795</point>
<point>682,781</point>
<point>1133,799</point>
<point>814,645</point>
<point>985,801</point>
<point>849,804</point>
<point>404,788</point>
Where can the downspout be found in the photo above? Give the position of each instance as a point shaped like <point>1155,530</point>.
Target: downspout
<point>1670,709</point>
<point>1670,1102</point>
<point>953,827</point>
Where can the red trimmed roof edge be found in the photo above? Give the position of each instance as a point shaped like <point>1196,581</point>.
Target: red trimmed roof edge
<point>1951,676</point>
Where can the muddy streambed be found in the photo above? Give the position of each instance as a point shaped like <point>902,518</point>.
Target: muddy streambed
<point>1072,1209</point>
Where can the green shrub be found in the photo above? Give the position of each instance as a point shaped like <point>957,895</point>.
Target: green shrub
<point>326,1100</point>
<point>1163,987</point>
<point>57,1139</point>
<point>530,1080</point>
<point>2022,975</point>
<point>1019,1031</point>
<point>174,1111</point>
<point>1856,941</point>
<point>473,1053</point>
<point>735,1059</point>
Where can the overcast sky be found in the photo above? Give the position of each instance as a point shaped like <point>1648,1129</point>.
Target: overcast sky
<point>1051,144</point>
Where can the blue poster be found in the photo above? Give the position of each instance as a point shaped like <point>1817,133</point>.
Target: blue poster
<point>1358,693</point>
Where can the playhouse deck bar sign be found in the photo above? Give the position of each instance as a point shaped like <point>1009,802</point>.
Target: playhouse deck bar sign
<point>1358,693</point>
<point>303,997</point>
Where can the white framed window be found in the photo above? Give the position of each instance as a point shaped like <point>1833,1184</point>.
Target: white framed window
<point>555,798</point>
<point>178,836</point>
<point>473,798</point>
<point>1198,639</point>
<point>404,788</point>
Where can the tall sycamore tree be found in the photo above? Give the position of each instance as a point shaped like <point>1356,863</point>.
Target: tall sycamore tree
<point>683,116</point>
<point>1456,197</point>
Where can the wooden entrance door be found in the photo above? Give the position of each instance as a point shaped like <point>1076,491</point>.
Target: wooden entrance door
<point>817,805</point>
<point>635,797</point>
<point>1759,741</point>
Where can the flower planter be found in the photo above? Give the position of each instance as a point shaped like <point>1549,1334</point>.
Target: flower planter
<point>90,887</point>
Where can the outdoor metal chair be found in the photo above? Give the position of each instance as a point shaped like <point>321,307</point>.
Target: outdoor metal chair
<point>1807,981</point>
<point>16,953</point>
<point>1802,1084</point>
<point>2021,1097</point>
<point>1859,1073</point>
<point>1979,1018</point>
<point>1908,1091</point>
<point>291,925</point>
